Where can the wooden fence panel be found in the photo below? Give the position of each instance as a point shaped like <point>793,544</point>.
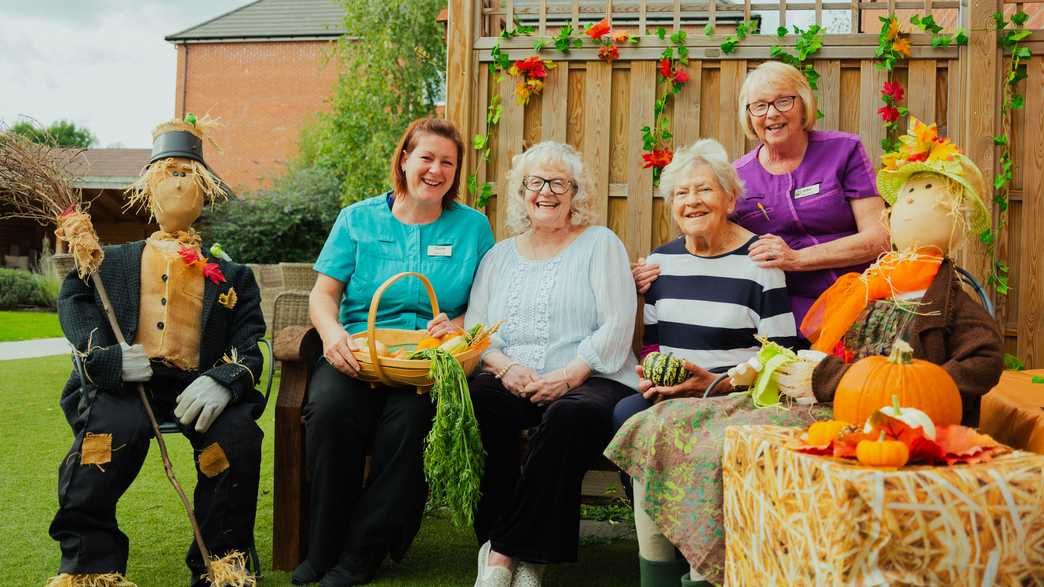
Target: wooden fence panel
<point>1031,266</point>
<point>595,150</point>
<point>600,109</point>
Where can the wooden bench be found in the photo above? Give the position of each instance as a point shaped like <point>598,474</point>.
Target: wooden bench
<point>298,347</point>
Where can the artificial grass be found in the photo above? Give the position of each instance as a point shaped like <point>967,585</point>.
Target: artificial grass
<point>28,325</point>
<point>34,437</point>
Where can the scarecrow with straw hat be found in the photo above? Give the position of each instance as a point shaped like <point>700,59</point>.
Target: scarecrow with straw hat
<point>181,329</point>
<point>913,293</point>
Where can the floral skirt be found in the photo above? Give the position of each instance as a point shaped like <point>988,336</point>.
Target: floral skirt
<point>675,449</point>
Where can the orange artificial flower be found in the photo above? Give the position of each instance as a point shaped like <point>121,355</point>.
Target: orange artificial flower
<point>608,53</point>
<point>621,37</point>
<point>902,47</point>
<point>893,29</point>
<point>598,30</point>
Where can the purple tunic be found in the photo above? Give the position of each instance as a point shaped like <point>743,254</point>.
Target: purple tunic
<point>809,205</point>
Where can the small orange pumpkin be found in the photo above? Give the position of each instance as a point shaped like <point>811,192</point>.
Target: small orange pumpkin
<point>823,433</point>
<point>882,453</point>
<point>871,382</point>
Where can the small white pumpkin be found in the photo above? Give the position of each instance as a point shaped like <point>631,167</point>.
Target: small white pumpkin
<point>912,417</point>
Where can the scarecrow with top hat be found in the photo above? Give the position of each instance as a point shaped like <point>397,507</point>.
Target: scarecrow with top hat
<point>911,295</point>
<point>191,327</point>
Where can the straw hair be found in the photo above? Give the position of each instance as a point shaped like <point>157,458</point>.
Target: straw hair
<point>776,74</point>
<point>703,152</point>
<point>140,195</point>
<point>799,519</point>
<point>547,153</point>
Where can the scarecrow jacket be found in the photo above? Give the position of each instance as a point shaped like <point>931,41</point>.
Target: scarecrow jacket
<point>962,338</point>
<point>223,329</point>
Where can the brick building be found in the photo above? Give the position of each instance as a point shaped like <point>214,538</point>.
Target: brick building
<point>265,69</point>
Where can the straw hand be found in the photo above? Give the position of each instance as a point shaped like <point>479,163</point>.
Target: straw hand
<point>136,367</point>
<point>202,402</point>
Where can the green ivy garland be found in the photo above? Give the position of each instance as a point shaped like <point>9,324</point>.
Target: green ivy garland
<point>1011,101</point>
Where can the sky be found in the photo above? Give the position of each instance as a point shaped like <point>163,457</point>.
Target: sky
<point>101,63</point>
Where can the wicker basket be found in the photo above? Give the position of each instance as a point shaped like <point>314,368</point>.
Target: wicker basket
<point>408,372</point>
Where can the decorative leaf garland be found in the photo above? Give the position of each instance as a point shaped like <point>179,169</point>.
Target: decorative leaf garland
<point>1011,101</point>
<point>656,139</point>
<point>893,46</point>
<point>808,43</point>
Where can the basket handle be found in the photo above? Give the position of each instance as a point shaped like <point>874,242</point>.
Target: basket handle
<point>371,320</point>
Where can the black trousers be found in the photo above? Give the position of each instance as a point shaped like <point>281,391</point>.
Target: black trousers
<point>225,504</point>
<point>531,511</point>
<point>352,515</point>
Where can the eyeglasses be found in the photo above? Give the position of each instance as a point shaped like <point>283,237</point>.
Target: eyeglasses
<point>782,104</point>
<point>535,183</point>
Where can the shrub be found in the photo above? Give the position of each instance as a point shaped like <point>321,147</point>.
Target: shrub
<point>21,288</point>
<point>288,222</point>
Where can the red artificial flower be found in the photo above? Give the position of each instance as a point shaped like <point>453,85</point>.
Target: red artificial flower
<point>608,53</point>
<point>532,67</point>
<point>598,30</point>
<point>922,156</point>
<point>69,211</point>
<point>681,76</point>
<point>212,272</point>
<point>665,68</point>
<point>894,90</point>
<point>658,158</point>
<point>888,113</point>
<point>189,255</point>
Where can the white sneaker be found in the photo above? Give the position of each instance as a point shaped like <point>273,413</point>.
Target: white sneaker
<point>528,575</point>
<point>491,575</point>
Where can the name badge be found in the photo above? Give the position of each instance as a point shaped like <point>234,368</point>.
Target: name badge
<point>440,250</point>
<point>809,190</point>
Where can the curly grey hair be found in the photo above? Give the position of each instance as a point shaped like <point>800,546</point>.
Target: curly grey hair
<point>704,151</point>
<point>548,153</point>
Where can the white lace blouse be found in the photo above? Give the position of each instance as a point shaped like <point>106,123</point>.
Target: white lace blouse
<point>579,303</point>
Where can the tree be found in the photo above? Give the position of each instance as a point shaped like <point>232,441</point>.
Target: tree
<point>393,63</point>
<point>62,133</point>
<point>288,222</point>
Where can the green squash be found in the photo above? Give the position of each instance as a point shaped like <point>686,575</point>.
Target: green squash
<point>664,369</point>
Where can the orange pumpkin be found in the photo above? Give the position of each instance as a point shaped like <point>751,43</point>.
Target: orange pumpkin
<point>882,453</point>
<point>823,433</point>
<point>871,382</point>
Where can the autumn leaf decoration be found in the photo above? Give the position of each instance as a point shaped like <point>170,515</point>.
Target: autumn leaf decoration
<point>952,445</point>
<point>192,258</point>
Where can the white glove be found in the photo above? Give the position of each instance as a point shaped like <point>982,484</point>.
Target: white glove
<point>203,401</point>
<point>136,367</point>
<point>795,378</point>
<point>744,374</point>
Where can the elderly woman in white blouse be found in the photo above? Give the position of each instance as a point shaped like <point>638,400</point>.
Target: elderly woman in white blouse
<point>559,363</point>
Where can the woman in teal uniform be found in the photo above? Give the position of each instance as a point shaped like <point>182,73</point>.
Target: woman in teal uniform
<point>417,226</point>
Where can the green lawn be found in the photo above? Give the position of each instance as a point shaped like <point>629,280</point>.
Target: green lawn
<point>28,325</point>
<point>34,437</point>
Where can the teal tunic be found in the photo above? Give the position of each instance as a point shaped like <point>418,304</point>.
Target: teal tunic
<point>367,245</point>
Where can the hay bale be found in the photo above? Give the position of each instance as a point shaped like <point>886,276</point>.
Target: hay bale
<point>792,517</point>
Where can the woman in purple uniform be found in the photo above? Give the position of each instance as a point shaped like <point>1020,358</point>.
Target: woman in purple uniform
<point>810,194</point>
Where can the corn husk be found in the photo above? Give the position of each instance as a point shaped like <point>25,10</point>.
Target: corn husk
<point>799,519</point>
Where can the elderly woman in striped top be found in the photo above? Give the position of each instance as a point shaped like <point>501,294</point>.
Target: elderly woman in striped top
<point>707,308</point>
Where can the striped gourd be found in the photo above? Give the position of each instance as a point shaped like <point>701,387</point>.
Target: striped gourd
<point>664,369</point>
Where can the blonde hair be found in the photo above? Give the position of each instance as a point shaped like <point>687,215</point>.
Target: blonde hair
<point>707,152</point>
<point>548,153</point>
<point>776,73</point>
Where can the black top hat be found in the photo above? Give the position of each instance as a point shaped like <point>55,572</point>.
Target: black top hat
<point>177,143</point>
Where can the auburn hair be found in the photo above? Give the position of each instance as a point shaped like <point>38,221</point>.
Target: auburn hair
<point>426,126</point>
